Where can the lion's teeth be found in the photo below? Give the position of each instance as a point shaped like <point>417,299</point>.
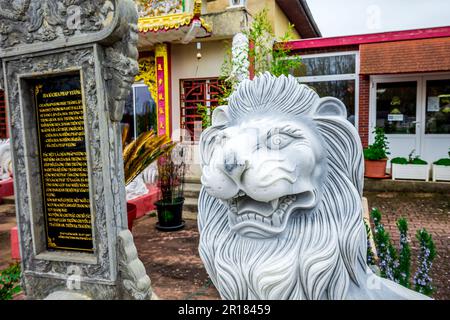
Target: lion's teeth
<point>274,203</point>
<point>276,218</point>
<point>259,218</point>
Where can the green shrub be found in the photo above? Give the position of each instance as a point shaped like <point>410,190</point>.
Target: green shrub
<point>9,282</point>
<point>379,149</point>
<point>387,254</point>
<point>404,260</point>
<point>399,160</point>
<point>422,279</point>
<point>443,162</point>
<point>418,161</point>
<point>396,266</point>
<point>411,160</point>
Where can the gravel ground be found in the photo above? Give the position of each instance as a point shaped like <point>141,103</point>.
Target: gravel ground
<point>172,261</point>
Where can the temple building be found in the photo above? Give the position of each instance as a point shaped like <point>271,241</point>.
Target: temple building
<point>182,46</point>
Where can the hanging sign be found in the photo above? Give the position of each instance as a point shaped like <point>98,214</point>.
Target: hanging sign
<point>396,117</point>
<point>162,78</point>
<point>433,104</point>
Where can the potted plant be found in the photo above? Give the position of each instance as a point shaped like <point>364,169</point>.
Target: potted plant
<point>375,156</point>
<point>411,168</point>
<point>441,169</point>
<point>171,174</point>
<point>138,155</point>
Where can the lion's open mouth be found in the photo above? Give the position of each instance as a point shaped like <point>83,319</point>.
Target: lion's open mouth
<point>258,219</point>
<point>270,213</point>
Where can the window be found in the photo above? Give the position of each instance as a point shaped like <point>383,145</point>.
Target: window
<point>3,124</point>
<point>197,93</point>
<point>140,112</point>
<point>333,75</point>
<point>438,107</point>
<point>344,90</point>
<point>396,107</point>
<point>328,65</point>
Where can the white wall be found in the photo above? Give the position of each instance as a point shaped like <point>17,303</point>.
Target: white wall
<point>185,65</point>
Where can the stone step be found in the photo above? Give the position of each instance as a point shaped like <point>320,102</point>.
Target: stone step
<point>190,204</point>
<point>9,200</point>
<point>189,215</point>
<point>192,190</point>
<point>192,179</point>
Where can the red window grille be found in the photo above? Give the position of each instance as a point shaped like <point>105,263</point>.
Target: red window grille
<point>195,92</point>
<point>3,124</point>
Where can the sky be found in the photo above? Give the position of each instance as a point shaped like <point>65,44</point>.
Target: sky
<point>347,17</point>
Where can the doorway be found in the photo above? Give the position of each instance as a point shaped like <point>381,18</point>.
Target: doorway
<point>415,114</point>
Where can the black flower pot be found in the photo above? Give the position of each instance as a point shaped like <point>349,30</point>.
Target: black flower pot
<point>170,215</point>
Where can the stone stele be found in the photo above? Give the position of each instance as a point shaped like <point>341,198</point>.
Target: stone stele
<point>280,214</point>
<point>97,41</point>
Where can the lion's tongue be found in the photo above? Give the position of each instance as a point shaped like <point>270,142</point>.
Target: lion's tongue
<point>249,205</point>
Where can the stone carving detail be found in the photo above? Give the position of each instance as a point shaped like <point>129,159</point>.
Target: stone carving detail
<point>135,280</point>
<point>2,84</point>
<point>56,63</point>
<point>280,214</point>
<point>5,160</point>
<point>28,22</point>
<point>104,51</point>
<point>121,68</point>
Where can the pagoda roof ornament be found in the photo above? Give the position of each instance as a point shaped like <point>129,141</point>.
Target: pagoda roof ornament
<point>171,20</point>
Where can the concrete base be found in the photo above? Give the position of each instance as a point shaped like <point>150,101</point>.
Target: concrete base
<point>387,185</point>
<point>67,295</point>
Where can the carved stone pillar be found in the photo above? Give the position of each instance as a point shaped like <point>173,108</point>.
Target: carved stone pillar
<point>75,63</point>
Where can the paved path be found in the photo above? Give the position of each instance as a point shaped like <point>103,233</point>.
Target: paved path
<point>172,260</point>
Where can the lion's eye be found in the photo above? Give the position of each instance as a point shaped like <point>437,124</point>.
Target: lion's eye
<point>278,140</point>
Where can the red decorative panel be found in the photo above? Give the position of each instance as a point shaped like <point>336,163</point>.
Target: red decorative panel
<point>195,93</point>
<point>3,119</point>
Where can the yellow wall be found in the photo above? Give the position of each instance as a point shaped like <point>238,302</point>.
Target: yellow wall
<point>281,23</point>
<point>186,66</point>
<point>276,15</point>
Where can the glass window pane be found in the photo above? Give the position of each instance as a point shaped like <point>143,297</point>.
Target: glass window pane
<point>396,107</point>
<point>145,110</point>
<point>344,90</point>
<point>438,107</point>
<point>323,66</point>
<point>128,118</point>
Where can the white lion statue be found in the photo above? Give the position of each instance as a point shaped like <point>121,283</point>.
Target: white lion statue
<point>280,214</point>
<point>5,160</point>
<point>138,187</point>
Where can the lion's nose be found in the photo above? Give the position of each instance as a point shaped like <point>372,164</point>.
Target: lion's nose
<point>234,166</point>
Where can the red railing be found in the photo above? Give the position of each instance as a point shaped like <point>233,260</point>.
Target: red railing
<point>195,93</point>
